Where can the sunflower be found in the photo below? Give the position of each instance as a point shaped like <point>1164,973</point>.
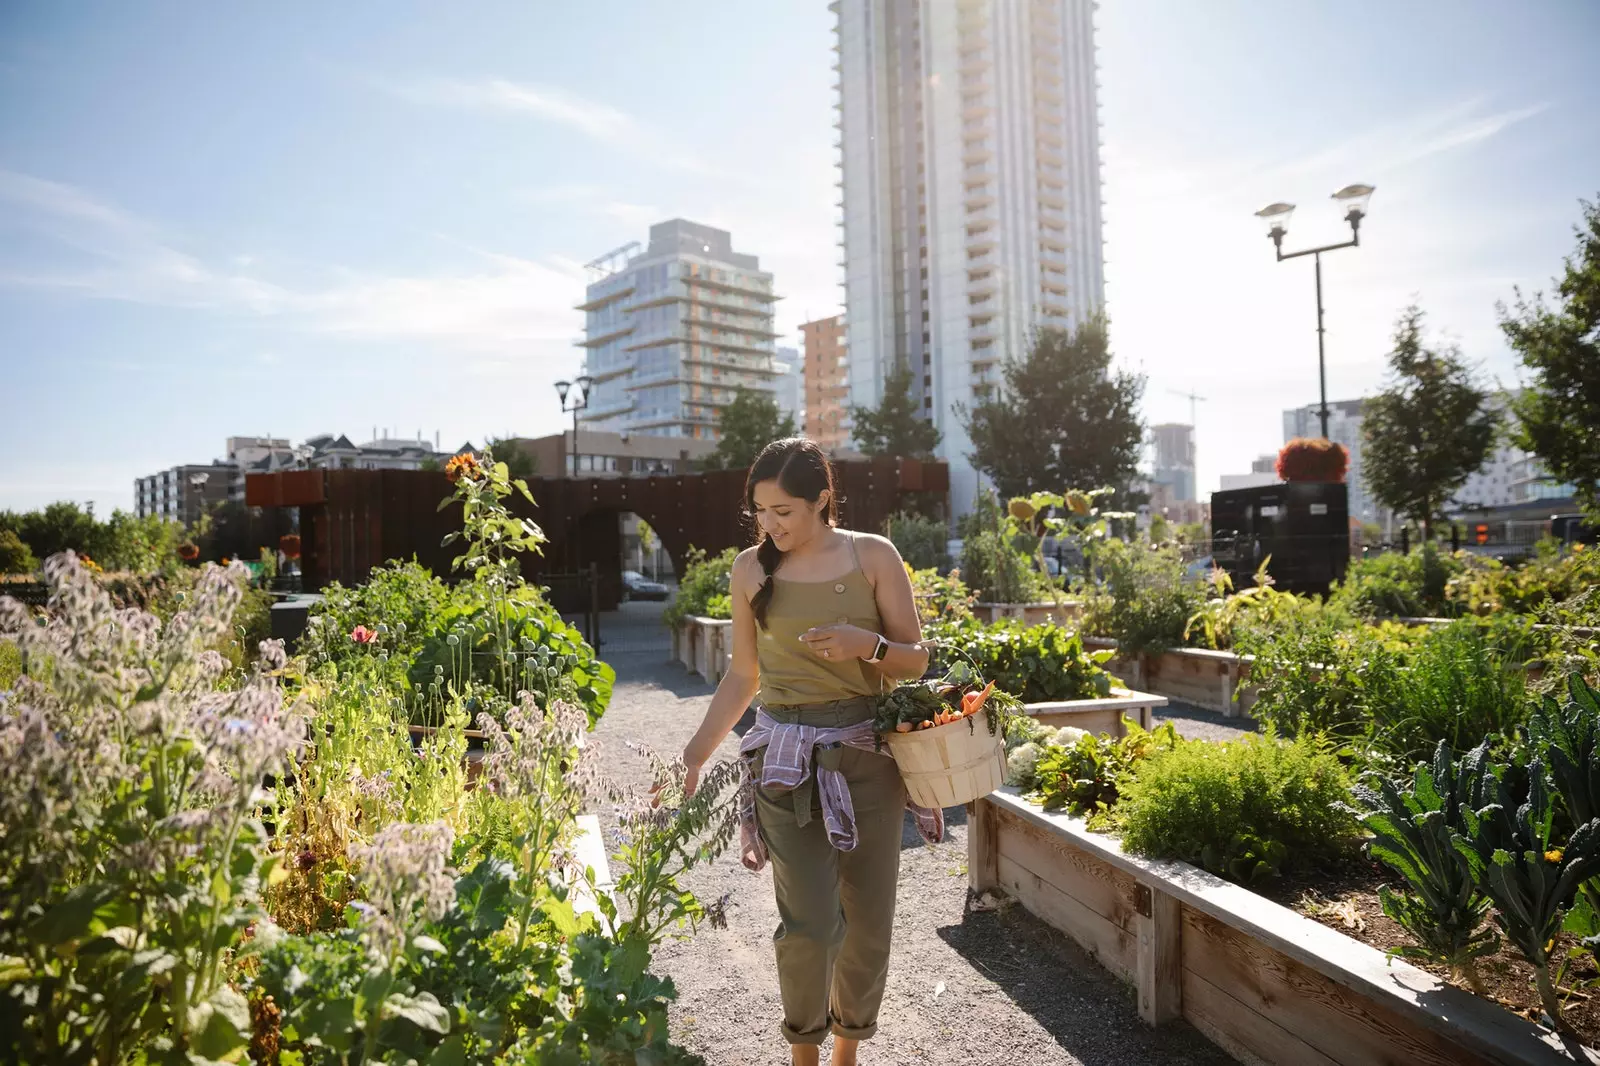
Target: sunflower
<point>1020,509</point>
<point>1078,503</point>
<point>463,465</point>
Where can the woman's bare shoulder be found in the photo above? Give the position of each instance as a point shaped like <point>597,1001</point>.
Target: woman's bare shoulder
<point>876,548</point>
<point>747,569</point>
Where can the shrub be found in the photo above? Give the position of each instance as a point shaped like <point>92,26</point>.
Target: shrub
<point>1244,810</point>
<point>920,540</point>
<point>1145,599</point>
<point>1487,586</point>
<point>403,601</point>
<point>1038,664</point>
<point>998,555</point>
<point>938,597</point>
<point>703,587</point>
<point>1312,459</point>
<point>15,557</point>
<point>1457,684</point>
<point>1392,585</point>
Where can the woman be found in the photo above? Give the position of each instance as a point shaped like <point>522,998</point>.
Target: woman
<point>823,620</point>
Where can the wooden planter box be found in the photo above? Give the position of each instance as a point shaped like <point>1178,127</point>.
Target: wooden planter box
<point>1203,678</point>
<point>704,646</point>
<point>1264,983</point>
<point>1100,716</point>
<point>1032,614</point>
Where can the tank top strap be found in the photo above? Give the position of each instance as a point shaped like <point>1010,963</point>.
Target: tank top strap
<point>850,533</point>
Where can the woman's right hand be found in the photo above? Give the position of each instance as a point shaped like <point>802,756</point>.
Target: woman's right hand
<point>691,778</point>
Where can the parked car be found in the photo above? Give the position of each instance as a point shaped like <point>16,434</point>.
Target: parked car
<point>635,586</point>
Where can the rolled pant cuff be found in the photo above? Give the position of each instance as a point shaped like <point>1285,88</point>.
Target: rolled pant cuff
<point>864,1032</point>
<point>811,1036</point>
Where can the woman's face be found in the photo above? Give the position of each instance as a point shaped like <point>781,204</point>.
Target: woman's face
<point>789,520</point>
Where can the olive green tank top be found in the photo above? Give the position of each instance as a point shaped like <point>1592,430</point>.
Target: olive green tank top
<point>792,674</point>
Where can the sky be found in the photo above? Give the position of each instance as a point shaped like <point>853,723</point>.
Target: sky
<point>238,220</point>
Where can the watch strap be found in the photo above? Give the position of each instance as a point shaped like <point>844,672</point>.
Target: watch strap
<point>880,650</point>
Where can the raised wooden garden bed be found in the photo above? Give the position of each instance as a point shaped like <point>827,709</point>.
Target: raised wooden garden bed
<point>1100,716</point>
<point>1264,983</point>
<point>1196,676</point>
<point>704,646</point>
<point>1032,614</point>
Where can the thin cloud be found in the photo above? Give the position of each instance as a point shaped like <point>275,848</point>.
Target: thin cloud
<point>505,303</point>
<point>594,119</point>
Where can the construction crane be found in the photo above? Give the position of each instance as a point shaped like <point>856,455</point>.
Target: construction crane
<point>1193,399</point>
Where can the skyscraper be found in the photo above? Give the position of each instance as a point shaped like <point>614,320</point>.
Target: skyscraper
<point>672,332</point>
<point>1174,458</point>
<point>971,192</point>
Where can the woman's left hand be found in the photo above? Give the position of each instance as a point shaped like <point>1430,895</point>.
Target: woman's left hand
<point>840,642</point>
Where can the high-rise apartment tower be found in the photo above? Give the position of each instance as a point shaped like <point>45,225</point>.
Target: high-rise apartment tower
<point>970,173</point>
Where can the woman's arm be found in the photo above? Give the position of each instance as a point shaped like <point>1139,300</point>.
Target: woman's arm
<point>739,685</point>
<point>897,608</point>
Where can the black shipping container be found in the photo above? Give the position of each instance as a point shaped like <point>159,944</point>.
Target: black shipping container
<point>1303,525</point>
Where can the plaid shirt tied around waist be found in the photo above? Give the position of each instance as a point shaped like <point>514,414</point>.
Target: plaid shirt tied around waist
<point>786,767</point>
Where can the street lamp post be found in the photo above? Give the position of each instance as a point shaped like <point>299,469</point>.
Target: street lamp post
<point>1353,198</point>
<point>575,400</point>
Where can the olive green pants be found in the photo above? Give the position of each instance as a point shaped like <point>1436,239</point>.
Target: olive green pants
<point>836,907</point>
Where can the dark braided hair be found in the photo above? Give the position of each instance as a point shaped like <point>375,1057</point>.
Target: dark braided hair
<point>802,471</point>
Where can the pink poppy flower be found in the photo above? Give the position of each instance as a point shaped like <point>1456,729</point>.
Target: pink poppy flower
<point>363,635</point>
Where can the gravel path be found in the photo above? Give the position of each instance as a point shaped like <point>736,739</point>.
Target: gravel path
<point>1015,992</point>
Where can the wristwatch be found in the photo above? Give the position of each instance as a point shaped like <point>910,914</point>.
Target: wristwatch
<point>880,651</point>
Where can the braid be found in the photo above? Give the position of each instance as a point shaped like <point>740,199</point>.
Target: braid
<point>768,555</point>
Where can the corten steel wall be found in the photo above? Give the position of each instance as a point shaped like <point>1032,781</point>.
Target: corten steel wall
<point>353,520</point>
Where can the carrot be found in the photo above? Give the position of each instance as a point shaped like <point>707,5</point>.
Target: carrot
<point>973,702</point>
<point>925,725</point>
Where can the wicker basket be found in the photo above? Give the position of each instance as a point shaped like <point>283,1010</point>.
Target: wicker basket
<point>950,764</point>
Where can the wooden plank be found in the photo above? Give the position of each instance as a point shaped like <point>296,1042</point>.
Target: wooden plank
<point>1090,721</point>
<point>1350,1028</point>
<point>1112,947</point>
<point>1098,885</point>
<point>1160,957</point>
<point>1240,1031</point>
<point>1498,1035</point>
<point>983,845</point>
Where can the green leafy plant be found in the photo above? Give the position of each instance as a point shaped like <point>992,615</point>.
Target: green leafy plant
<point>1244,809</point>
<point>921,540</point>
<point>1087,776</point>
<point>1395,585</point>
<point>705,579</point>
<point>1037,664</point>
<point>1258,607</point>
<point>939,597</point>
<point>1413,832</point>
<point>1145,598</point>
<point>1567,736</point>
<point>1528,875</point>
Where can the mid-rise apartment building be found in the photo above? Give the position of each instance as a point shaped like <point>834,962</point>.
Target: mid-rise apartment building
<point>970,159</point>
<point>673,331</point>
<point>827,382</point>
<point>1174,458</point>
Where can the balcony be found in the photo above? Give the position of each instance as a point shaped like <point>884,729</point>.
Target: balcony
<point>753,329</point>
<point>1052,196</point>
<point>619,407</point>
<point>1052,242</point>
<point>1049,156</point>
<point>974,106</point>
<point>978,197</point>
<point>984,261</point>
<point>759,291</point>
<point>974,60</point>
<point>1050,94</point>
<point>1053,215</point>
<point>980,240</point>
<point>981,284</point>
<point>607,373</point>
<point>607,333</point>
<point>977,152</point>
<point>982,331</point>
<point>601,300</point>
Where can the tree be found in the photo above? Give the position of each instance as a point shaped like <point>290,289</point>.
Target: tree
<point>522,463</point>
<point>895,426</point>
<point>1428,431</point>
<point>747,425</point>
<point>1064,420</point>
<point>1558,412</point>
<point>15,558</point>
<point>60,526</point>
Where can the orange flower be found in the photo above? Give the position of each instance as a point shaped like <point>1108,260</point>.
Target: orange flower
<point>1553,855</point>
<point>289,544</point>
<point>461,466</point>
<point>188,552</point>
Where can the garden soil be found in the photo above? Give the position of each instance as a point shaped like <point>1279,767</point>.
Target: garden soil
<point>986,988</point>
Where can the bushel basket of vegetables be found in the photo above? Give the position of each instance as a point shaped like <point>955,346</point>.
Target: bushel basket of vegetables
<point>947,734</point>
